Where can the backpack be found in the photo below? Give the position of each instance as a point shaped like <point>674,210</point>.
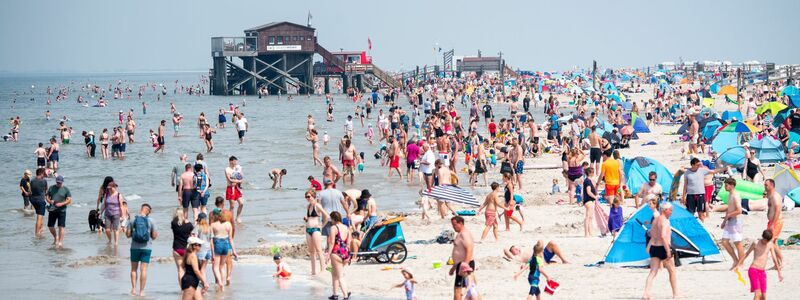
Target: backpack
<point>141,230</point>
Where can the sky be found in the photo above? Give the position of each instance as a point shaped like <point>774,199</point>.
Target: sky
<point>157,35</point>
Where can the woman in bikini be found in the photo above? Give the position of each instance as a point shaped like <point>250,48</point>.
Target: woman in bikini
<point>314,212</point>
<point>574,171</point>
<point>508,196</point>
<point>104,143</point>
<point>208,132</point>
<point>312,137</point>
<point>338,254</point>
<point>221,245</point>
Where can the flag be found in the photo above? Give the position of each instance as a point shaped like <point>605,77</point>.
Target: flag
<point>440,49</point>
<point>309,19</point>
<point>369,43</point>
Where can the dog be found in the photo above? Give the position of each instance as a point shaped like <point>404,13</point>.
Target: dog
<point>95,222</point>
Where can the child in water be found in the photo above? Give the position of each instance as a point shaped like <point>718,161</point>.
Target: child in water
<point>154,139</point>
<point>408,284</point>
<point>283,270</point>
<point>370,133</point>
<point>361,163</point>
<point>325,138</point>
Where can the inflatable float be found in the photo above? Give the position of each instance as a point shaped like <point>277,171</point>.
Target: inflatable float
<point>745,189</point>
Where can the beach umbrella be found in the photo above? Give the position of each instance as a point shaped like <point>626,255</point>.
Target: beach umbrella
<point>780,117</point>
<point>732,114</point>
<point>794,138</point>
<point>738,127</point>
<point>714,88</point>
<point>772,107</point>
<point>627,130</point>
<point>450,193</point>
<point>727,90</point>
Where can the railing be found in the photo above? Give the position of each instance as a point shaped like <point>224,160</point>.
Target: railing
<point>329,57</point>
<point>234,46</point>
<point>385,77</point>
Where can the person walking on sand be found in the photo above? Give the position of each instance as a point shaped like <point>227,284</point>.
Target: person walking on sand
<point>535,270</point>
<point>610,174</point>
<point>774,216</point>
<point>660,251</point>
<point>693,196</point>
<point>510,204</point>
<point>222,246</point>
<point>142,232</point>
<point>758,277</point>
<point>338,254</point>
<point>589,201</point>
<point>731,225</point>
<point>463,250</point>
<point>491,203</point>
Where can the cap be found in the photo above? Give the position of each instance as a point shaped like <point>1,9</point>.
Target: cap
<point>277,256</point>
<point>59,178</point>
<point>327,181</point>
<point>202,216</point>
<point>194,240</point>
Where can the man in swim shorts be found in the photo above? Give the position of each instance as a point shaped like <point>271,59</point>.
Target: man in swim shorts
<point>758,277</point>
<point>660,252</point>
<point>774,215</point>
<point>610,173</point>
<point>731,225</point>
<point>694,189</point>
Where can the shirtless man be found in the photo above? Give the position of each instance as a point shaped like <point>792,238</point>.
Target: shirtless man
<point>774,216</point>
<point>463,247</point>
<point>233,193</point>
<point>694,127</point>
<point>443,148</point>
<point>393,151</point>
<point>660,252</point>
<point>186,189</point>
<point>161,136</point>
<point>310,125</point>
<point>41,156</point>
<point>731,225</point>
<point>517,161</point>
<point>651,187</point>
<point>595,152</point>
<point>130,128</point>
<point>491,203</point>
<point>758,277</point>
<point>176,123</point>
<point>330,171</point>
<point>444,174</point>
<point>276,175</point>
<point>349,161</point>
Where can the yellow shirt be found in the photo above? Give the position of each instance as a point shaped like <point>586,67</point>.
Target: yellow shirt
<point>610,171</point>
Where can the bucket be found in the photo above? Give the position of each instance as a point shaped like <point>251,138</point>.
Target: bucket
<point>551,287</point>
<point>437,264</point>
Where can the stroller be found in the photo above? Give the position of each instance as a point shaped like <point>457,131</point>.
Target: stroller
<point>384,242</point>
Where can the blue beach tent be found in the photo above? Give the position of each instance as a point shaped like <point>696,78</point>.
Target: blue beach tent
<point>734,156</point>
<point>638,124</point>
<point>689,238</point>
<point>724,140</point>
<point>637,172</point>
<point>710,129</point>
<point>768,150</point>
<point>730,114</point>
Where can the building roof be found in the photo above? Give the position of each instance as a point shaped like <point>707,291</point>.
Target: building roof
<point>273,24</point>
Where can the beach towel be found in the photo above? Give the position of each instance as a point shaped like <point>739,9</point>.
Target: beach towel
<point>601,219</point>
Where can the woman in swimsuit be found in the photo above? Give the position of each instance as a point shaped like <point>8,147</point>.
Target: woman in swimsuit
<point>313,235</point>
<point>312,137</point>
<point>508,196</point>
<point>574,171</point>
<point>53,154</point>
<point>208,132</point>
<point>221,119</point>
<point>104,143</point>
<point>192,278</point>
<point>201,121</point>
<point>222,245</point>
<point>338,254</point>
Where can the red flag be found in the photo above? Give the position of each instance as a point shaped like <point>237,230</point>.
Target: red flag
<point>369,42</point>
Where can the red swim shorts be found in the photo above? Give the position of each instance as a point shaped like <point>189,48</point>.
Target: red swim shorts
<point>611,190</point>
<point>233,193</point>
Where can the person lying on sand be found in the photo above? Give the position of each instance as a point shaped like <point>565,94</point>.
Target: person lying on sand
<point>551,249</point>
<point>747,205</point>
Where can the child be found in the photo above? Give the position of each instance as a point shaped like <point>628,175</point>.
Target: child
<point>408,283</point>
<point>758,277</point>
<point>325,138</point>
<point>123,222</point>
<point>370,133</point>
<point>154,139</point>
<point>276,176</point>
<point>555,189</point>
<point>615,217</point>
<point>535,266</point>
<point>469,283</point>
<point>361,163</point>
<point>283,270</point>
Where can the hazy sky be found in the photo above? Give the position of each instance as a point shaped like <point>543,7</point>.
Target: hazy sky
<point>108,35</point>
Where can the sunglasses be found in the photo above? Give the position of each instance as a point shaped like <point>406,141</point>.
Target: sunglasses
<point>309,197</point>
<point>652,179</point>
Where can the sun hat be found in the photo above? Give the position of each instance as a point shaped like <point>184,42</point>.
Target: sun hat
<point>194,240</point>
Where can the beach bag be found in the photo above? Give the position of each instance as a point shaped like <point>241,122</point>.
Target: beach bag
<point>141,230</point>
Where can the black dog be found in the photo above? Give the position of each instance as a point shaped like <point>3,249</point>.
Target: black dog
<point>94,220</point>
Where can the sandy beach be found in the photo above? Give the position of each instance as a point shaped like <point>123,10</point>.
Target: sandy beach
<point>563,224</point>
